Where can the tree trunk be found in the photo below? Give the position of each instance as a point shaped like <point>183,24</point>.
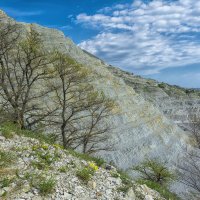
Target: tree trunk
<point>63,136</point>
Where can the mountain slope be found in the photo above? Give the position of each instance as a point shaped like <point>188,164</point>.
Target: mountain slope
<point>140,128</point>
<point>176,103</point>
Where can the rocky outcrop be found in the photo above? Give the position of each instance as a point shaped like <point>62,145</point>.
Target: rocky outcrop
<point>174,102</point>
<point>140,129</point>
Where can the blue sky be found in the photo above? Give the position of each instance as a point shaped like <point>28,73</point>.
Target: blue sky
<point>159,39</point>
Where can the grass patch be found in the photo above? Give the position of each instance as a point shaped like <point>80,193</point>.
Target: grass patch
<point>163,190</point>
<point>115,174</point>
<point>5,182</point>
<point>126,180</point>
<point>6,132</point>
<point>63,169</point>
<point>9,129</point>
<point>123,189</point>
<point>44,157</point>
<point>99,161</point>
<point>47,186</point>
<point>6,159</point>
<point>44,184</point>
<point>85,174</point>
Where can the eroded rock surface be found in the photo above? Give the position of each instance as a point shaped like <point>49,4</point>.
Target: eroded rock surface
<point>174,102</point>
<point>140,128</point>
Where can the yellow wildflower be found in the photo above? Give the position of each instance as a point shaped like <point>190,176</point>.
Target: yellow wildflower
<point>93,166</point>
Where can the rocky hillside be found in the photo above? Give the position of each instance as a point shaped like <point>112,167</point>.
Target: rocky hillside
<point>174,102</point>
<point>139,128</point>
<point>31,169</point>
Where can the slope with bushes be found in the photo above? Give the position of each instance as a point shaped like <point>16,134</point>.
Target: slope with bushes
<point>33,167</point>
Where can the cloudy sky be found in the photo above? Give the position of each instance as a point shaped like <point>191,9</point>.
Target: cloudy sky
<point>159,39</point>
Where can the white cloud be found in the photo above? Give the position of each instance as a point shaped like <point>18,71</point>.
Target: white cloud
<point>146,37</point>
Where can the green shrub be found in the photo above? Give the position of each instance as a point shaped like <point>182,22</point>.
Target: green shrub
<point>63,169</point>
<point>46,186</point>
<point>5,182</point>
<point>156,176</point>
<point>6,158</point>
<point>40,181</point>
<point>161,85</point>
<point>123,189</point>
<point>163,190</point>
<point>85,174</point>
<point>44,157</point>
<point>4,194</point>
<point>125,178</point>
<point>154,171</point>
<point>114,174</point>
<point>6,132</point>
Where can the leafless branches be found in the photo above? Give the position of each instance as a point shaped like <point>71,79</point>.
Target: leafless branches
<point>38,87</point>
<point>189,171</point>
<point>23,64</point>
<point>82,110</point>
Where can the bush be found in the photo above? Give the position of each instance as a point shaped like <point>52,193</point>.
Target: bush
<point>5,182</point>
<point>123,189</point>
<point>161,85</point>
<point>85,174</point>
<point>47,186</point>
<point>6,132</point>
<point>44,157</point>
<point>162,190</point>
<point>63,169</point>
<point>6,158</point>
<point>153,170</point>
<point>124,177</point>
<point>115,174</point>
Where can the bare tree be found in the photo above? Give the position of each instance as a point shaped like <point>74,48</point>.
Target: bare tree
<point>96,129</point>
<point>194,127</point>
<point>9,35</point>
<point>79,105</point>
<point>23,64</point>
<point>189,172</point>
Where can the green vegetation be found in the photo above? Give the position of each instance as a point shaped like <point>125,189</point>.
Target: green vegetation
<point>8,130</point>
<point>154,171</point>
<point>49,139</point>
<point>46,186</point>
<point>126,181</point>
<point>5,182</point>
<point>44,157</point>
<point>115,174</point>
<point>156,176</point>
<point>6,158</point>
<point>86,157</point>
<point>162,85</point>
<point>161,189</point>
<point>123,189</point>
<point>125,178</point>
<point>85,174</point>
<point>63,169</point>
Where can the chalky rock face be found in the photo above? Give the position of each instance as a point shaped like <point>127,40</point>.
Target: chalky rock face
<point>141,129</point>
<point>174,102</point>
